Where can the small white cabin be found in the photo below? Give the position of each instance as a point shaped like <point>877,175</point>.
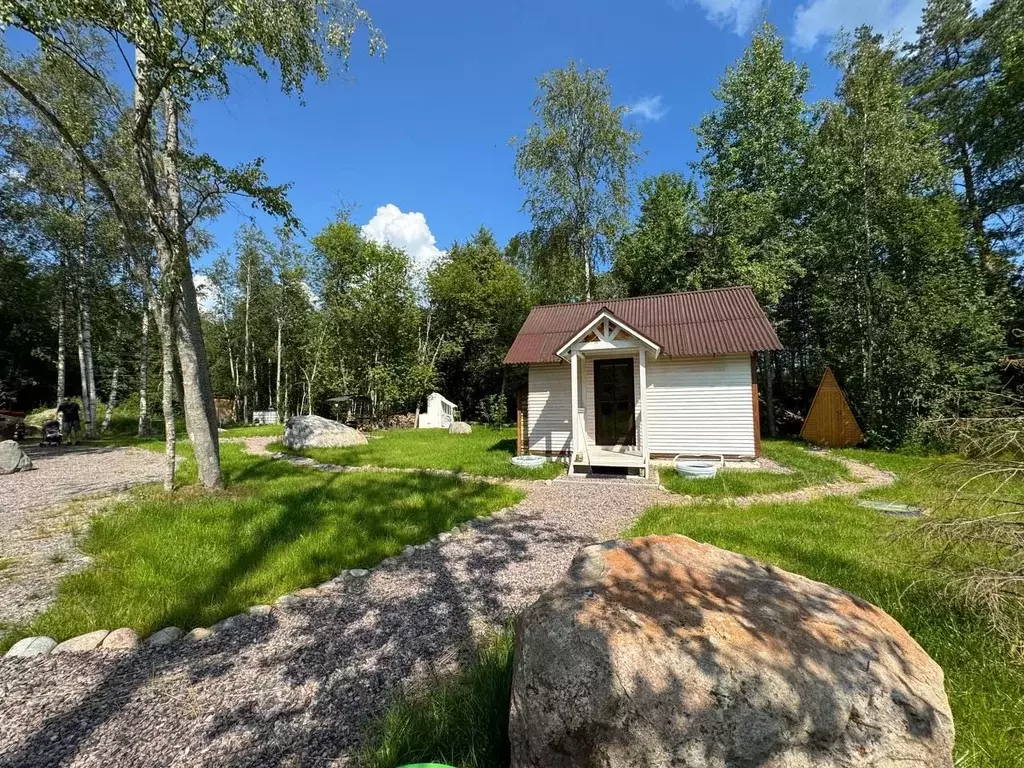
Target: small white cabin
<point>440,414</point>
<point>618,383</point>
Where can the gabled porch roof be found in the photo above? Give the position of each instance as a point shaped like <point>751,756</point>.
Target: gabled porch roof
<point>607,330</point>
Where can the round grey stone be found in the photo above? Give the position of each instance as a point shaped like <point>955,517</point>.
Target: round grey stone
<point>88,642</point>
<point>121,639</point>
<point>32,646</point>
<point>165,636</point>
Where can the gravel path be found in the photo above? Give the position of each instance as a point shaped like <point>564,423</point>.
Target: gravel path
<point>297,687</point>
<point>38,525</point>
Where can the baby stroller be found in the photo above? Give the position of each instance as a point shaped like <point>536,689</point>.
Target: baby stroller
<point>51,433</point>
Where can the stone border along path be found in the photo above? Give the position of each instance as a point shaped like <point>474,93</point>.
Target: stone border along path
<point>296,683</point>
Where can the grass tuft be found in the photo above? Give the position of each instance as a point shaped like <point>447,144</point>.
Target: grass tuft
<point>459,720</point>
<point>485,452</point>
<point>807,469</point>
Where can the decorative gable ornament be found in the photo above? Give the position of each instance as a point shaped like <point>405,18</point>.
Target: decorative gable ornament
<point>830,422</point>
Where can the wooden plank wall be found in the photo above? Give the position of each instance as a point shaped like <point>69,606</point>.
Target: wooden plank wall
<point>830,422</point>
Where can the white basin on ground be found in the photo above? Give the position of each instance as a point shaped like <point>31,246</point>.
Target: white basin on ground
<point>696,469</point>
<point>528,462</point>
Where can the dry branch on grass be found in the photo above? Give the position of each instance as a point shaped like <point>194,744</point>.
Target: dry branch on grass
<point>981,534</point>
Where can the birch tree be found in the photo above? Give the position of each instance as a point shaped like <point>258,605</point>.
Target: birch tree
<point>176,54</point>
<point>575,163</point>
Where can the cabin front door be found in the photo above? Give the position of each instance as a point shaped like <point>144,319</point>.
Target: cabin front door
<point>614,402</point>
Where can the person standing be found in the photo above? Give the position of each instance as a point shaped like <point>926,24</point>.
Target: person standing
<point>71,422</point>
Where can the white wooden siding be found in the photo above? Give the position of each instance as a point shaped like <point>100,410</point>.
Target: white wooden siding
<point>700,406</point>
<point>588,392</point>
<point>548,408</point>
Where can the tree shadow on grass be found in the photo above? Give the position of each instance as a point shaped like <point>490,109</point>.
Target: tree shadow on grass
<point>352,646</point>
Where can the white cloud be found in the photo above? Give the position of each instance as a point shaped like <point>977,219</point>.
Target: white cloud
<point>406,231</point>
<point>648,108</point>
<point>820,19</point>
<point>207,294</point>
<point>739,15</point>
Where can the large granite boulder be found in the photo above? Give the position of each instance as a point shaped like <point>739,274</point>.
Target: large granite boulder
<point>662,652</point>
<point>318,432</point>
<point>12,458</point>
<point>460,428</point>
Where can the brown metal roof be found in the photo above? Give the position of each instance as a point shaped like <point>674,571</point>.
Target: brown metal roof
<point>719,321</point>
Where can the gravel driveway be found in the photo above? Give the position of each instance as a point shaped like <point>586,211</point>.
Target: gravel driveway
<point>38,527</point>
<point>297,687</point>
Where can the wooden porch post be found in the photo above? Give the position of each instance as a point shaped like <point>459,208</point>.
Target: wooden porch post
<point>574,390</point>
<point>643,412</point>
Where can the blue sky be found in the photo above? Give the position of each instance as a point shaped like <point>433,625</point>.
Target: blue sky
<point>424,133</point>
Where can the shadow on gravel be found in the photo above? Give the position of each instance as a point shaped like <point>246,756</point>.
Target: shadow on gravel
<point>301,686</point>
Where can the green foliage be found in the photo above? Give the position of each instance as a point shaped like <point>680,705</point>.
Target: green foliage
<point>753,147</point>
<point>897,300</point>
<point>805,469</point>
<point>192,560</point>
<point>477,304</point>
<point>575,162</point>
<point>659,254</point>
<point>371,319</point>
<point>485,452</point>
<point>834,541</point>
<point>494,409</point>
<point>460,719</point>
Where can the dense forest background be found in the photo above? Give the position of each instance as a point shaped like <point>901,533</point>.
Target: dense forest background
<point>881,229</point>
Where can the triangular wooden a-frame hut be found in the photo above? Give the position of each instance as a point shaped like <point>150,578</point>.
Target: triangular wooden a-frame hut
<point>830,421</point>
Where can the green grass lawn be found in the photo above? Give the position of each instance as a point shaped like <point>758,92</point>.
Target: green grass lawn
<point>486,452</point>
<point>834,541</point>
<point>197,557</point>
<point>808,469</point>
<point>260,430</point>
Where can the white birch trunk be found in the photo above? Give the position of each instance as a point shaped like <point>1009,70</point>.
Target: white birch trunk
<point>112,402</point>
<point>61,349</point>
<point>144,425</point>
<point>277,389</point>
<point>200,410</point>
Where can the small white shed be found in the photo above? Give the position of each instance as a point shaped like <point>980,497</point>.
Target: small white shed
<point>440,414</point>
<point>617,383</point>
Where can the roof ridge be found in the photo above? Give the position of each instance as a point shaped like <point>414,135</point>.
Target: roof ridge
<point>648,296</point>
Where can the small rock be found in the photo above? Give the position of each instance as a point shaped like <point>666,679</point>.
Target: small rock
<point>460,428</point>
<point>165,636</point>
<point>358,573</point>
<point>12,458</point>
<point>199,633</point>
<point>443,536</point>
<point>87,642</point>
<point>32,646</point>
<point>408,550</point>
<point>328,586</point>
<point>287,601</point>
<point>307,592</point>
<point>260,610</point>
<point>86,560</point>
<point>120,640</point>
<point>231,622</point>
